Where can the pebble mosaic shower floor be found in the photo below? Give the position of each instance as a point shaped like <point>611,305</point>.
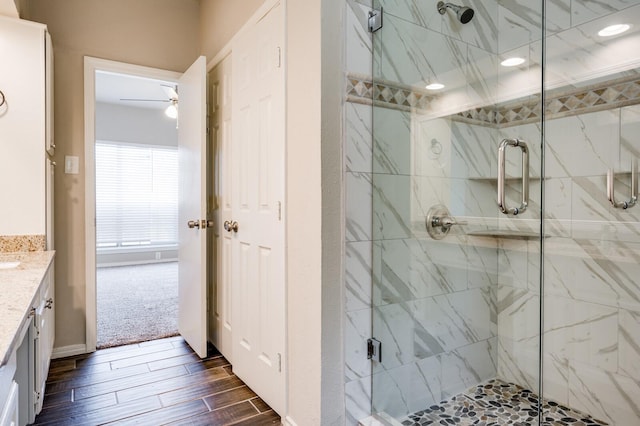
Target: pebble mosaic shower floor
<point>497,403</point>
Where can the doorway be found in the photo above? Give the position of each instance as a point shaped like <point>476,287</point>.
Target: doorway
<point>130,158</point>
<point>136,172</point>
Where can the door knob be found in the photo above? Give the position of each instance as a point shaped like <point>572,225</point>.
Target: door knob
<point>230,226</point>
<point>193,224</point>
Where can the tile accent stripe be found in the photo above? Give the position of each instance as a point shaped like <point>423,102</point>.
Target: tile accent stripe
<point>560,103</point>
<point>362,90</point>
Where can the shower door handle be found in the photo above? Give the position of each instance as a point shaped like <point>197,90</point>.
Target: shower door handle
<point>501,176</point>
<point>634,188</point>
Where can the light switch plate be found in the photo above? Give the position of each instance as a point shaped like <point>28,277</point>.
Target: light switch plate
<point>71,164</point>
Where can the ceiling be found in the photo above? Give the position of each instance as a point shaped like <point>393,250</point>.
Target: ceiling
<point>111,88</point>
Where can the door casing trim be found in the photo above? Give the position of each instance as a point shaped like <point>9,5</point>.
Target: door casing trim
<point>91,66</point>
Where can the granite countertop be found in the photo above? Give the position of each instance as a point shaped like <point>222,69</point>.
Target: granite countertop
<point>18,287</point>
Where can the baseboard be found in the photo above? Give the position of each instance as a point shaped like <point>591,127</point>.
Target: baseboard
<point>288,421</point>
<point>71,350</point>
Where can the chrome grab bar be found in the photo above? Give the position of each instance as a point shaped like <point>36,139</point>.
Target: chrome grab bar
<point>501,176</point>
<point>634,188</point>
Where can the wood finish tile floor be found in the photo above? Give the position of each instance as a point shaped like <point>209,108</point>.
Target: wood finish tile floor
<point>152,383</point>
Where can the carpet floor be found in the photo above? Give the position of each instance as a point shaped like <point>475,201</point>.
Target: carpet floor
<point>136,303</point>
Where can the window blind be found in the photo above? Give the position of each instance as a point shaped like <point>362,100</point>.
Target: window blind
<point>136,195</point>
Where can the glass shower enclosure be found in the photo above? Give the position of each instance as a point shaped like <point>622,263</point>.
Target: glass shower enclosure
<point>505,260</point>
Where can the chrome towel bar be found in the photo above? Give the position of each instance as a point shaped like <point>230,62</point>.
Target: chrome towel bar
<point>501,176</point>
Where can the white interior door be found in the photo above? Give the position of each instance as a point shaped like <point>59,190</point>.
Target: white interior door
<point>192,257</point>
<point>258,298</point>
<point>220,82</point>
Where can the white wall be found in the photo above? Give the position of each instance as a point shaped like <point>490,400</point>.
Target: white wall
<point>314,212</point>
<point>332,303</point>
<point>304,211</point>
<point>119,123</point>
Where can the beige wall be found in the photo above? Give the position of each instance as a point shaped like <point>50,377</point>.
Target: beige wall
<point>220,20</point>
<point>155,33</point>
<point>8,8</point>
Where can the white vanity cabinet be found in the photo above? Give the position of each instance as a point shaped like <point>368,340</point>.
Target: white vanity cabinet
<point>23,377</point>
<point>26,132</point>
<point>44,335</point>
<point>10,412</point>
<point>9,408</point>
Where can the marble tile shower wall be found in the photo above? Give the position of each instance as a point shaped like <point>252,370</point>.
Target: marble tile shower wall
<point>466,308</point>
<point>592,291</point>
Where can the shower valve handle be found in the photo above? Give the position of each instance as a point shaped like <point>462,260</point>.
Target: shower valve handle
<point>446,222</point>
<point>439,222</point>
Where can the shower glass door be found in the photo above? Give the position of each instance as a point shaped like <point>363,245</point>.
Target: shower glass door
<point>592,219</point>
<point>457,193</point>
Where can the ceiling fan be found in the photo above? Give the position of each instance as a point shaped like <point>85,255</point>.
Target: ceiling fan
<point>172,97</point>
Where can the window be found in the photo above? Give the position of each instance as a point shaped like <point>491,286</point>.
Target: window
<point>136,195</point>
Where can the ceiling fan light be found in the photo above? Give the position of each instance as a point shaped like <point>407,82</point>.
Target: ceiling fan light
<point>171,111</point>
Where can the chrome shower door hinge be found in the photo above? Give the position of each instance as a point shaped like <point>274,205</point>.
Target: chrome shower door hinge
<point>374,350</point>
<point>375,20</point>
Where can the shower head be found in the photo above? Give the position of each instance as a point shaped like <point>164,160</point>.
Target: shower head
<point>464,14</point>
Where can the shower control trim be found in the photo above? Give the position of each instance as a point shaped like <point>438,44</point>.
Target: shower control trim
<point>517,143</point>
<point>439,222</point>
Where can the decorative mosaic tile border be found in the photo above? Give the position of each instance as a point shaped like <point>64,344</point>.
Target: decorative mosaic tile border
<point>560,103</point>
<point>22,243</point>
<point>362,90</point>
<point>498,403</point>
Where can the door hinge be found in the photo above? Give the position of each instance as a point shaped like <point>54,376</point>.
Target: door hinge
<point>375,20</point>
<point>279,210</point>
<point>374,350</point>
<point>279,57</point>
<point>279,363</point>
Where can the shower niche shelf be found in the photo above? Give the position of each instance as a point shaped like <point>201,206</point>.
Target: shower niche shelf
<point>508,178</point>
<point>507,234</point>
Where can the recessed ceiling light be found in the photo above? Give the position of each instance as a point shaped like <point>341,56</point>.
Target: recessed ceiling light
<point>612,30</point>
<point>512,62</point>
<point>434,86</point>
